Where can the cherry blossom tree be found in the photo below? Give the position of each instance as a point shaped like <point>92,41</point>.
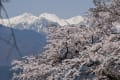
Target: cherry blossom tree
<point>77,52</point>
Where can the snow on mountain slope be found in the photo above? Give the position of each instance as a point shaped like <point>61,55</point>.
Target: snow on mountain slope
<point>75,20</point>
<point>53,18</point>
<point>29,21</point>
<point>24,18</point>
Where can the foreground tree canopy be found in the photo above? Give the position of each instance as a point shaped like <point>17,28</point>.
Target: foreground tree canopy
<point>77,52</point>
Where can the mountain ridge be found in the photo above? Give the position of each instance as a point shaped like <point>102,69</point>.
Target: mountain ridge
<point>29,19</point>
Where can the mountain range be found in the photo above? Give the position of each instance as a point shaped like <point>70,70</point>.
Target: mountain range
<point>29,21</point>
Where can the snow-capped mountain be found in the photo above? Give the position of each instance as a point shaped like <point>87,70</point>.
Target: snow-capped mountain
<point>24,18</point>
<point>29,21</point>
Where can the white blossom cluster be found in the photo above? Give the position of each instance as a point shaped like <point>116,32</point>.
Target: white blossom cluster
<point>73,53</point>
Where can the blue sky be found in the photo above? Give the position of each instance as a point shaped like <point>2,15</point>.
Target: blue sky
<point>62,8</point>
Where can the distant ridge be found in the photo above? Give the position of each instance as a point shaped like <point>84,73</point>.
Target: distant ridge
<point>27,20</point>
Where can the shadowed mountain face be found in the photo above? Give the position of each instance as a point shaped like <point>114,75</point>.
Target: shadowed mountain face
<point>5,73</point>
<point>28,41</point>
